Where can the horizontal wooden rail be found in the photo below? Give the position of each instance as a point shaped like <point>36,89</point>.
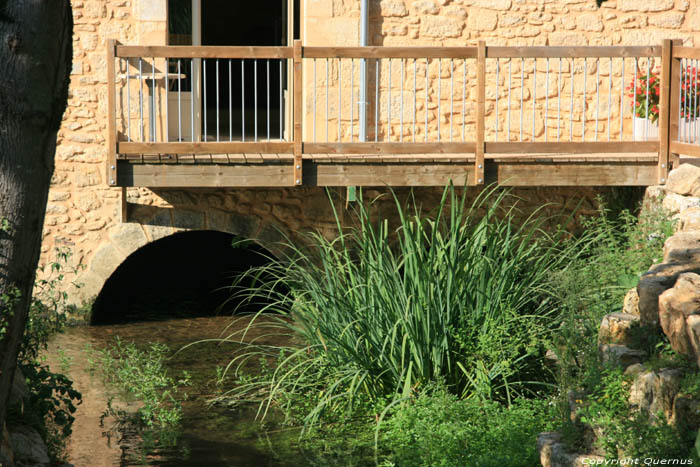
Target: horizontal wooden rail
<point>684,148</point>
<point>389,52</point>
<point>179,51</point>
<point>686,52</point>
<point>265,147</point>
<point>389,148</point>
<point>573,52</point>
<point>587,147</point>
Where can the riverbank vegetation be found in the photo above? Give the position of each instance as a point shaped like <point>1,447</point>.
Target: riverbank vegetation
<point>410,338</point>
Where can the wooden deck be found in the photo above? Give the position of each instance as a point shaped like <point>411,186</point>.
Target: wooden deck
<point>298,162</point>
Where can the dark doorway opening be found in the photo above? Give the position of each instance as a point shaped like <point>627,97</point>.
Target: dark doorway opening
<point>187,274</point>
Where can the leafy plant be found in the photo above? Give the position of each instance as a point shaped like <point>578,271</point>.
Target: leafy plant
<point>644,91</point>
<point>462,295</point>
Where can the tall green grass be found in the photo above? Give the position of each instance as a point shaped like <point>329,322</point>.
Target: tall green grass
<point>460,296</point>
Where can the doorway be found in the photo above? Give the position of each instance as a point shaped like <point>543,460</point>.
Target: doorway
<point>237,100</point>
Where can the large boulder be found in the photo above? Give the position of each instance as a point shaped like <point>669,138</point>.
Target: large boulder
<point>631,302</point>
<point>655,391</point>
<point>553,453</point>
<point>689,219</point>
<point>618,328</point>
<point>683,247</point>
<point>676,306</point>
<point>653,283</point>
<point>28,447</point>
<point>621,355</point>
<point>685,180</point>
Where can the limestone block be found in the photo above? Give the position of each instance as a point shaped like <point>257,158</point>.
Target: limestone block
<point>630,304</point>
<point>689,219</point>
<point>589,22</point>
<point>621,355</point>
<point>105,261</point>
<point>128,237</point>
<point>659,278</point>
<point>393,8</point>
<point>671,20</point>
<point>440,26</point>
<point>455,11</point>
<point>675,306</point>
<point>646,5</point>
<point>567,39</point>
<point>675,203</point>
<point>482,20</point>
<point>233,223</point>
<point>617,328</point>
<point>683,247</point>
<point>553,453</point>
<point>685,180</point>
<point>153,10</point>
<point>654,392</point>
<point>686,411</point>
<point>426,7</point>
<point>490,4</point>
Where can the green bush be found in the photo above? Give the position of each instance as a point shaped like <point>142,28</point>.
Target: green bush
<point>462,295</point>
<point>437,429</point>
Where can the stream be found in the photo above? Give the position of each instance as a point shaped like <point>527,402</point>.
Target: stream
<point>211,435</point>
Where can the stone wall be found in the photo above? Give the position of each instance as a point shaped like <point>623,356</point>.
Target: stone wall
<point>83,214</point>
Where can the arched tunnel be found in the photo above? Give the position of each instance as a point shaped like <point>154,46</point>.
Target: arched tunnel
<point>187,274</point>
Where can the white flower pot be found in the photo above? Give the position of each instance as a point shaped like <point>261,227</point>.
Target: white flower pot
<point>688,131</point>
<point>645,130</point>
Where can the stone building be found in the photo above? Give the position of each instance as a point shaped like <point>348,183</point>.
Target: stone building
<point>84,212</point>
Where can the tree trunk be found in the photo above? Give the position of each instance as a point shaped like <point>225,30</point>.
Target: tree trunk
<point>35,63</point>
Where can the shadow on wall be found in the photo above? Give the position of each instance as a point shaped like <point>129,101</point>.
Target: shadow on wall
<point>187,274</point>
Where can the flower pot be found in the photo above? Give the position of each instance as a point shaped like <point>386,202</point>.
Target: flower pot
<point>645,130</point>
<point>688,131</point>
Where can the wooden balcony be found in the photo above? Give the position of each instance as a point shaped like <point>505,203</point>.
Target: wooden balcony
<point>521,116</point>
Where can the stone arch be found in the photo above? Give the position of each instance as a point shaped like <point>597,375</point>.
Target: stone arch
<point>154,223</point>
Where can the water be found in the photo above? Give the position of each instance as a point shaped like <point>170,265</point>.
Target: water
<point>211,436</point>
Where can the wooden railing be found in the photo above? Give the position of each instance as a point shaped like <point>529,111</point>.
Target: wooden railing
<point>508,101</point>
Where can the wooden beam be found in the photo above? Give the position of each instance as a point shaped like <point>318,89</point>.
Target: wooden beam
<point>685,52</point>
<point>389,52</point>
<point>111,173</point>
<point>573,52</point>
<point>389,148</point>
<point>124,206</point>
<point>222,147</point>
<point>576,174</point>
<point>675,101</point>
<point>664,111</point>
<point>298,115</point>
<point>201,51</point>
<point>388,174</point>
<point>685,148</point>
<point>479,165</point>
<point>586,147</point>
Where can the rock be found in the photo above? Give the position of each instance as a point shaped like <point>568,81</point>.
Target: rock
<point>393,8</point>
<point>440,26</point>
<point>683,247</point>
<point>426,7</point>
<point>620,355</point>
<point>634,370</point>
<point>646,5</point>
<point>631,303</point>
<point>553,453</point>
<point>28,446</point>
<point>483,20</point>
<point>617,328</point>
<point>686,411</point>
<point>675,203</point>
<point>7,457</point>
<point>655,391</point>
<point>685,180</point>
<point>675,306</point>
<point>653,283</point>
<point>693,326</point>
<point>689,219</point>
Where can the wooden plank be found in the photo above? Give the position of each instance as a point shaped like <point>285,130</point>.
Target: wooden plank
<point>389,148</point>
<point>685,149</point>
<point>199,51</point>
<point>111,173</point>
<point>479,165</point>
<point>664,111</point>
<point>675,101</point>
<point>391,174</point>
<point>576,147</point>
<point>210,175</point>
<point>222,147</point>
<point>124,206</point>
<point>298,136</point>
<point>572,52</point>
<point>576,174</point>
<point>558,158</point>
<point>686,52</point>
<point>389,52</point>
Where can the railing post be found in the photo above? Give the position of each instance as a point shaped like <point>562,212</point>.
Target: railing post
<point>664,110</point>
<point>111,115</point>
<point>480,112</point>
<point>298,115</point>
<point>674,104</point>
